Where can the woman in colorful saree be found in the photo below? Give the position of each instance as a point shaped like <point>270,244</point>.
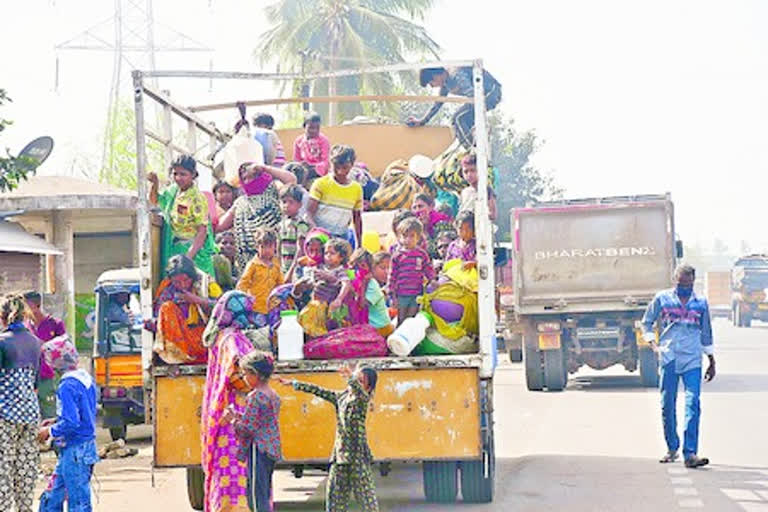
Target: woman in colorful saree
<point>225,477</point>
<point>187,227</point>
<point>182,303</point>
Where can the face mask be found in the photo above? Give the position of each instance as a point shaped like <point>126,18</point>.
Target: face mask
<point>684,291</point>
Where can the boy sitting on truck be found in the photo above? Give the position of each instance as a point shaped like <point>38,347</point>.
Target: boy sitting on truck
<point>262,274</point>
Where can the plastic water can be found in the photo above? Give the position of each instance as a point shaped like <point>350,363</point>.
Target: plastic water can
<point>409,334</point>
<point>290,337</point>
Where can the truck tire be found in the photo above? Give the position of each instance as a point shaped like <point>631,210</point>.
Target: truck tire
<point>649,368</point>
<point>534,375</point>
<point>195,487</point>
<point>554,370</point>
<point>476,487</point>
<point>118,432</point>
<point>440,481</point>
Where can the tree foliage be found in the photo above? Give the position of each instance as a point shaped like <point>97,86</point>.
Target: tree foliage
<point>120,166</point>
<point>13,170</point>
<point>519,181</point>
<point>319,35</point>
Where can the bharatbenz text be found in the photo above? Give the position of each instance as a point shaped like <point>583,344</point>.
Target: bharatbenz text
<point>601,252</point>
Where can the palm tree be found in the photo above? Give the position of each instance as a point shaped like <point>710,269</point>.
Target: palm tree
<point>338,34</point>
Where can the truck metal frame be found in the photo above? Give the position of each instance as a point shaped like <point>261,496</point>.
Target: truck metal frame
<point>437,473</point>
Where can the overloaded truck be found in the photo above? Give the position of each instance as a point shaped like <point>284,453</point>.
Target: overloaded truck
<point>749,290</point>
<point>585,271</point>
<point>717,290</point>
<point>434,410</point>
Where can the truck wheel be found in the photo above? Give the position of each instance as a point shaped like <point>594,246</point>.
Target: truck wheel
<point>554,375</point>
<point>476,486</point>
<point>534,376</point>
<point>440,481</point>
<point>118,432</point>
<point>649,368</point>
<point>195,487</point>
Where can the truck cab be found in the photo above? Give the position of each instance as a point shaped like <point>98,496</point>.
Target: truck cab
<point>117,350</point>
<point>749,290</point>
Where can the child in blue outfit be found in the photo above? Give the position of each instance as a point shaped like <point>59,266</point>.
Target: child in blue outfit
<point>73,432</point>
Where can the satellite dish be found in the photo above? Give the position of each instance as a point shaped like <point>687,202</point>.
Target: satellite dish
<point>38,149</point>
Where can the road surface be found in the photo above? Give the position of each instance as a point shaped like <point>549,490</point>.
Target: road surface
<point>593,447</point>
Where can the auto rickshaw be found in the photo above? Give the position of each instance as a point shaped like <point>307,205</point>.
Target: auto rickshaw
<point>117,350</point>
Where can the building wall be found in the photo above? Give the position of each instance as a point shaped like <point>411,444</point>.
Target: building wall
<point>19,271</point>
<point>95,253</point>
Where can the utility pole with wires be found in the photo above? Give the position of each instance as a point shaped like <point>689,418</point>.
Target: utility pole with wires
<point>134,38</point>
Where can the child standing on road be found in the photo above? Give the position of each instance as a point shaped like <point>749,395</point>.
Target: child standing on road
<point>74,431</point>
<point>262,274</point>
<point>257,429</point>
<point>411,270</point>
<point>351,459</point>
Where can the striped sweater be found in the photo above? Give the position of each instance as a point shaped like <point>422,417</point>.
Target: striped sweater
<point>410,269</point>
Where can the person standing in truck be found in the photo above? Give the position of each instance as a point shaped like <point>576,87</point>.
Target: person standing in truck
<point>685,332</point>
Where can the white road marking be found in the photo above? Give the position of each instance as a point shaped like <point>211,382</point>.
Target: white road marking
<point>751,506</point>
<point>691,503</point>
<point>677,471</point>
<point>763,494</point>
<point>681,480</point>
<point>686,491</point>
<point>741,494</point>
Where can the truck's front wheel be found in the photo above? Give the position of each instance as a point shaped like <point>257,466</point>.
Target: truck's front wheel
<point>440,481</point>
<point>554,369</point>
<point>196,487</point>
<point>649,368</point>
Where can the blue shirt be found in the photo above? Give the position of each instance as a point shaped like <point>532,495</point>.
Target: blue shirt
<point>685,331</point>
<point>76,408</point>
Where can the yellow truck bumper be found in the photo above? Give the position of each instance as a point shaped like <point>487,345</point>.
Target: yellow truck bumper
<point>420,414</point>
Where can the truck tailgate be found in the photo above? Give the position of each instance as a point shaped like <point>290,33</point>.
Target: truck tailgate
<point>587,254</point>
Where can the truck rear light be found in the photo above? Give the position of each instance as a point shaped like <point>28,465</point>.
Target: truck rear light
<point>548,327</point>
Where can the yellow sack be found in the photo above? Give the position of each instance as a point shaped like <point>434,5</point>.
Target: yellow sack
<point>454,270</point>
<point>313,318</point>
<point>398,188</point>
<point>447,175</point>
<point>468,325</point>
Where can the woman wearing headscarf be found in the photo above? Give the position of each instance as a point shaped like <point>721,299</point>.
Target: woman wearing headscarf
<point>182,303</point>
<point>185,211</point>
<point>19,407</point>
<point>257,208</point>
<point>225,476</point>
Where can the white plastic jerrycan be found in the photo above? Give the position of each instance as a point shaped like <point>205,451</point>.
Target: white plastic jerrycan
<point>409,334</point>
<point>290,337</point>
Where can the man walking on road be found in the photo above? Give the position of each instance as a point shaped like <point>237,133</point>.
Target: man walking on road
<point>685,332</point>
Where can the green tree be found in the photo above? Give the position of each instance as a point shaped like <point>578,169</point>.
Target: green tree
<point>120,167</point>
<point>13,170</point>
<point>313,35</point>
<point>519,182</point>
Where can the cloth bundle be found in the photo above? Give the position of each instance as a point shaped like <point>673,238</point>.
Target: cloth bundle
<point>356,341</point>
<point>447,175</point>
<point>398,188</point>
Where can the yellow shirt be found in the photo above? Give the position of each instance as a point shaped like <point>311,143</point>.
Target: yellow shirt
<point>258,281</point>
<point>336,202</point>
<point>188,212</point>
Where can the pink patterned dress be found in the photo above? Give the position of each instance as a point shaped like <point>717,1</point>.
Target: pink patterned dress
<point>226,477</point>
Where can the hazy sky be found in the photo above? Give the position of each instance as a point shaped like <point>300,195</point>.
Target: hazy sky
<point>629,97</point>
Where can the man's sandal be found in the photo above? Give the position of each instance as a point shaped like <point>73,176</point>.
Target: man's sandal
<point>696,462</point>
<point>669,457</point>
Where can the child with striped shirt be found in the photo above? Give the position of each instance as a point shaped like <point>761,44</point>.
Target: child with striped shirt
<point>293,229</point>
<point>411,269</point>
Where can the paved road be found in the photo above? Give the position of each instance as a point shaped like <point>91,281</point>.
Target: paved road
<point>590,448</point>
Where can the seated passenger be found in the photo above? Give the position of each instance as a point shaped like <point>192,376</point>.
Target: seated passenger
<point>469,194</point>
<point>185,211</point>
<point>116,309</point>
<point>312,147</point>
<point>182,304</point>
<point>262,274</point>
<point>464,247</point>
<point>224,262</point>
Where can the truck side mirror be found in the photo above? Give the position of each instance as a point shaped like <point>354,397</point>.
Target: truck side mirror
<point>679,248</point>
